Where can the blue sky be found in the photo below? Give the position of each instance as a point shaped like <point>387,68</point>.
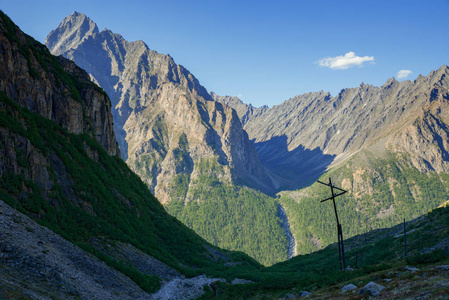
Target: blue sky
<point>266,52</point>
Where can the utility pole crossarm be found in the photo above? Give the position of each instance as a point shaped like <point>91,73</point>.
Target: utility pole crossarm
<point>333,186</point>
<point>336,195</point>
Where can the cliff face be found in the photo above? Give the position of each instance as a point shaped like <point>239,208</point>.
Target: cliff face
<point>166,122</point>
<point>53,87</point>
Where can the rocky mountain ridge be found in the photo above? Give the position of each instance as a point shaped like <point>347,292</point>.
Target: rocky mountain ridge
<point>244,111</point>
<point>317,126</point>
<point>161,112</point>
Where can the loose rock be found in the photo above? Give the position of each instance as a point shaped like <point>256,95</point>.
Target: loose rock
<point>413,269</point>
<point>241,281</point>
<point>348,287</point>
<point>443,267</point>
<point>372,289</point>
<point>304,294</point>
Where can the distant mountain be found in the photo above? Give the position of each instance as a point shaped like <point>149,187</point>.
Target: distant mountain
<point>185,146</point>
<point>326,130</point>
<point>388,146</point>
<point>60,165</point>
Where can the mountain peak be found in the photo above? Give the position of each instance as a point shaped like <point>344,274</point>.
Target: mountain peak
<point>390,82</point>
<point>76,14</point>
<point>440,71</point>
<point>72,30</point>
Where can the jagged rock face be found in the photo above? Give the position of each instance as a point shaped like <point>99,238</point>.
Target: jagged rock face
<point>244,111</point>
<point>77,28</point>
<point>407,117</point>
<point>166,122</point>
<point>35,82</point>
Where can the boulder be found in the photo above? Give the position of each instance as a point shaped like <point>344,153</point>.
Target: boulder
<point>304,294</point>
<point>443,267</point>
<point>413,269</point>
<point>372,289</point>
<point>240,281</point>
<point>348,287</point>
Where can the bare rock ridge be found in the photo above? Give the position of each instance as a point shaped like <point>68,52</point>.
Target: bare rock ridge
<point>70,33</point>
<point>406,117</point>
<point>166,122</point>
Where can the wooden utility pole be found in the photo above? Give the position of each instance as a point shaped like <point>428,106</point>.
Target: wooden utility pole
<point>341,247</point>
<point>405,241</point>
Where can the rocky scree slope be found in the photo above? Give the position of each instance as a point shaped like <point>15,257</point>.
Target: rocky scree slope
<point>39,264</point>
<point>166,122</point>
<point>59,165</point>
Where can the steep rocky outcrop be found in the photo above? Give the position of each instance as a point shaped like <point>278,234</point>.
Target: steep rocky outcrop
<point>53,87</point>
<point>166,122</point>
<point>56,89</point>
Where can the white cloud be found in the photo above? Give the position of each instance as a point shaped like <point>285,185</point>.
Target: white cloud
<point>404,73</point>
<point>343,62</point>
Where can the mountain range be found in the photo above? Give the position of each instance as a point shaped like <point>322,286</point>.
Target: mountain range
<point>402,117</point>
<point>166,121</point>
<point>391,150</point>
